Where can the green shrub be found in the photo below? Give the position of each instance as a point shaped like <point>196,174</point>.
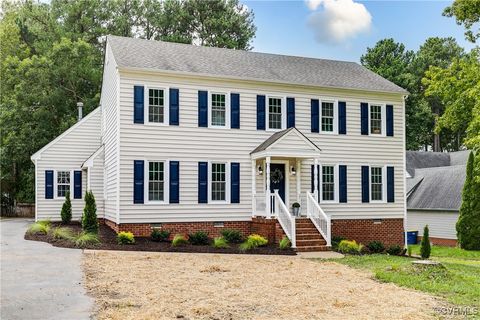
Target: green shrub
<point>199,238</point>
<point>232,236</point>
<point>425,244</point>
<point>89,217</point>
<point>351,247</point>
<point>284,243</point>
<point>62,233</point>
<point>66,212</point>
<point>394,250</point>
<point>39,227</point>
<point>179,240</point>
<point>376,246</point>
<point>125,238</point>
<point>253,241</point>
<point>85,239</point>
<point>44,222</point>
<point>335,242</point>
<point>220,242</point>
<point>159,235</point>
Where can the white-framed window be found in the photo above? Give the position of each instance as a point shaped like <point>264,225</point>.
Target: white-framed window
<point>63,182</point>
<point>219,182</point>
<point>377,119</point>
<point>328,117</point>
<point>156,109</point>
<point>276,114</point>
<point>156,181</point>
<point>377,183</point>
<point>219,110</point>
<point>328,187</point>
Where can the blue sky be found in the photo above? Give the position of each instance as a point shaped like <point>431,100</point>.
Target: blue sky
<point>285,27</point>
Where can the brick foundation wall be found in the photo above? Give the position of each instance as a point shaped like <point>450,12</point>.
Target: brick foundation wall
<point>389,231</point>
<point>268,228</point>
<point>441,241</point>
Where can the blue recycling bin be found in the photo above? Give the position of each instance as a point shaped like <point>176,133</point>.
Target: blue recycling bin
<point>412,237</point>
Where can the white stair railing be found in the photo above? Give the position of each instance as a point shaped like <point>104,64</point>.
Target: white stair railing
<point>287,221</point>
<point>319,218</point>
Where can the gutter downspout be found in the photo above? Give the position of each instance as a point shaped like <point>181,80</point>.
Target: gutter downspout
<point>404,174</point>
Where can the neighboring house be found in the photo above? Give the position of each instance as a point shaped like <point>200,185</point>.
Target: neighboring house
<point>434,193</point>
<point>195,138</point>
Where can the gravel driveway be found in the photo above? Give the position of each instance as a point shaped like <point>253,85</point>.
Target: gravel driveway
<point>39,281</point>
<point>134,285</point>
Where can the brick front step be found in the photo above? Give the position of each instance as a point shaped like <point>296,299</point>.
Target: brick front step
<point>313,248</point>
<point>308,243</point>
<point>309,236</point>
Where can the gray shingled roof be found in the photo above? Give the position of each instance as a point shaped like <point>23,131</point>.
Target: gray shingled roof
<point>276,136</point>
<point>437,179</point>
<point>239,64</point>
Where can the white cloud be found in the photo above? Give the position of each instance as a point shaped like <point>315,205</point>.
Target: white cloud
<point>339,20</point>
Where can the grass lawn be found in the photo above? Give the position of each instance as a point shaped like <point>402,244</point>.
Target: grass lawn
<point>458,282</point>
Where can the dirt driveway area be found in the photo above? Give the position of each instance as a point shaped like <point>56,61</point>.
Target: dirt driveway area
<point>134,285</point>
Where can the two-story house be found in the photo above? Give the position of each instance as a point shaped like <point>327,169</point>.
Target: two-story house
<point>196,138</point>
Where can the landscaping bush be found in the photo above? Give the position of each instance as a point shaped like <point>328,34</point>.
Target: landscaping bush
<point>179,240</point>
<point>62,233</point>
<point>253,241</point>
<point>284,243</point>
<point>199,238</point>
<point>89,217</point>
<point>376,246</point>
<point>232,236</point>
<point>220,242</point>
<point>84,239</point>
<point>394,250</point>
<point>159,235</point>
<point>351,247</point>
<point>425,244</point>
<point>40,227</point>
<point>125,238</point>
<point>335,242</point>
<point>66,212</point>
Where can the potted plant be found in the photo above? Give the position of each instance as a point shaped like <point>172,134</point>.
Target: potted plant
<point>296,208</point>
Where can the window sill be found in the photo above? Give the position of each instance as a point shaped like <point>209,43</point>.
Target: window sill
<point>218,202</point>
<point>156,203</point>
<point>158,124</point>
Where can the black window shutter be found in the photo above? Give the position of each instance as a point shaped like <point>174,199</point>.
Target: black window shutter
<point>342,117</point>
<point>202,108</point>
<point>315,111</point>
<point>174,117</point>
<point>290,112</point>
<point>389,115</point>
<point>77,184</point>
<point>235,111</point>
<point>365,184</point>
<point>138,108</point>
<point>235,182</point>
<point>174,190</point>
<point>342,184</point>
<point>260,112</point>
<point>48,184</point>
<point>203,182</point>
<point>364,118</point>
<point>138,181</point>
<point>390,184</point>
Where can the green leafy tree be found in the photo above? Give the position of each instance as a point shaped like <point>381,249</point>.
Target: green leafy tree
<point>466,13</point>
<point>468,224</point>
<point>89,217</point>
<point>66,212</point>
<point>425,244</point>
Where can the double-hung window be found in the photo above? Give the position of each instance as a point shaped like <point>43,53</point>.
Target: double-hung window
<point>328,183</point>
<point>218,113</point>
<point>218,182</point>
<point>376,119</point>
<point>275,113</point>
<point>156,181</point>
<point>376,185</point>
<point>328,117</point>
<point>63,183</point>
<point>156,105</point>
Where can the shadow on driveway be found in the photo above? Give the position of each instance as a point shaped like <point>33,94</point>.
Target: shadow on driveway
<point>39,281</point>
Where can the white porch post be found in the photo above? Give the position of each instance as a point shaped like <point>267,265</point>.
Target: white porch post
<point>297,168</point>
<point>254,188</point>
<point>267,189</point>
<point>315,179</point>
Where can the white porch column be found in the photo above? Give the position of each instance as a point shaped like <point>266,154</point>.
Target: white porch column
<point>254,188</point>
<point>268,213</point>
<point>298,171</point>
<point>315,179</point>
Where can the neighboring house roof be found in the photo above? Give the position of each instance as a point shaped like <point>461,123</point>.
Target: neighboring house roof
<point>245,65</point>
<point>437,180</point>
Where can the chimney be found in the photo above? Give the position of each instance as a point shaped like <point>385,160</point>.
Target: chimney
<point>80,110</point>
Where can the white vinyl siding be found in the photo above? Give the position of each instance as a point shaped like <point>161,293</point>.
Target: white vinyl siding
<point>441,224</point>
<point>190,145</point>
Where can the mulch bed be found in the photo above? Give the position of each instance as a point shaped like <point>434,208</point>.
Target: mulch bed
<point>108,239</point>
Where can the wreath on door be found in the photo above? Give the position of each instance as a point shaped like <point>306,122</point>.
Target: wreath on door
<point>276,176</point>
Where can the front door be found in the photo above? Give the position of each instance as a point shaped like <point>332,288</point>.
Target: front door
<point>277,179</point>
